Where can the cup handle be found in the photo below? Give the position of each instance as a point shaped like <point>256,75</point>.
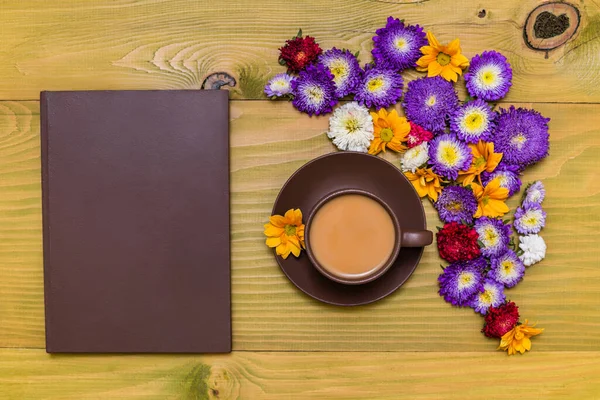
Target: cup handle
<point>416,238</point>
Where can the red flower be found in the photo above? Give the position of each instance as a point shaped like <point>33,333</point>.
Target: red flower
<point>299,52</point>
<point>417,135</point>
<point>500,320</point>
<point>458,242</point>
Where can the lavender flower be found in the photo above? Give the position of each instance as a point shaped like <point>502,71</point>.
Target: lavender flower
<point>345,69</point>
<point>456,204</point>
<point>398,46</point>
<point>461,281</point>
<point>509,177</point>
<point>449,155</point>
<point>379,87</point>
<point>529,219</point>
<point>507,269</point>
<point>494,236</point>
<point>280,85</point>
<point>314,90</point>
<point>522,135</point>
<point>489,77</point>
<point>473,121</point>
<point>534,194</point>
<point>429,101</point>
<point>491,296</point>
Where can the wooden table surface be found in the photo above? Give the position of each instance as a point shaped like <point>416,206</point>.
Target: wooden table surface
<point>287,345</point>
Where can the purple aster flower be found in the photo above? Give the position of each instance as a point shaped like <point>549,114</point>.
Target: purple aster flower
<point>379,87</point>
<point>509,177</point>
<point>529,219</point>
<point>489,76</point>
<point>398,46</point>
<point>314,90</point>
<point>522,135</point>
<point>461,281</point>
<point>429,101</point>
<point>473,121</point>
<point>345,69</point>
<point>279,85</point>
<point>494,236</point>
<point>491,296</point>
<point>448,155</point>
<point>534,194</point>
<point>456,204</point>
<point>507,269</point>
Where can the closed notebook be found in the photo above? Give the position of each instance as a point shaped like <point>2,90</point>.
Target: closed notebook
<point>136,221</point>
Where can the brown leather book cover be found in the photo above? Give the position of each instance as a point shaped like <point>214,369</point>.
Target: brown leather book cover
<point>136,221</point>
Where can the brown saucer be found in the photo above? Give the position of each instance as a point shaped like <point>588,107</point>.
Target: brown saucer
<point>350,170</point>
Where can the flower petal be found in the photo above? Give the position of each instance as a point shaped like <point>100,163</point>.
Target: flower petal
<point>278,221</point>
<point>449,75</point>
<point>273,231</point>
<point>273,242</point>
<point>453,47</point>
<point>432,40</point>
<point>434,69</point>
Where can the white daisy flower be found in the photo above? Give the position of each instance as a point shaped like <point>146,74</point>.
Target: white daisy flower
<point>415,157</point>
<point>351,127</point>
<point>534,249</point>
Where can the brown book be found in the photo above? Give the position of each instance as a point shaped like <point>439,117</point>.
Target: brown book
<point>136,221</point>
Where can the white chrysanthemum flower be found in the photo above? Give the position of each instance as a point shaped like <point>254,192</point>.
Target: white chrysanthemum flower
<point>351,127</point>
<point>415,157</point>
<point>534,249</point>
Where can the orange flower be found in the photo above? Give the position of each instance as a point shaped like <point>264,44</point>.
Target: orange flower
<point>490,199</point>
<point>446,61</point>
<point>286,233</point>
<point>426,182</point>
<point>484,159</point>
<point>517,339</point>
<point>390,130</point>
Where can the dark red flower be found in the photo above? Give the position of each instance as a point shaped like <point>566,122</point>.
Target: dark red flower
<point>458,242</point>
<point>299,52</point>
<point>500,320</point>
<point>417,135</point>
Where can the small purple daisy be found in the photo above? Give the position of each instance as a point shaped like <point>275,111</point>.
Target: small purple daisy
<point>491,296</point>
<point>507,269</point>
<point>509,177</point>
<point>494,236</point>
<point>448,155</point>
<point>461,281</point>
<point>522,136</point>
<point>428,102</point>
<point>489,77</point>
<point>534,194</point>
<point>398,46</point>
<point>456,204</point>
<point>473,121</point>
<point>379,87</point>
<point>529,219</point>
<point>314,90</point>
<point>345,69</point>
<point>279,85</point>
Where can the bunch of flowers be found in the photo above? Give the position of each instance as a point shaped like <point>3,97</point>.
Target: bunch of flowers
<point>464,156</point>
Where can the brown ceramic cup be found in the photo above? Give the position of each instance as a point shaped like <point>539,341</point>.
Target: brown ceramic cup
<point>404,238</point>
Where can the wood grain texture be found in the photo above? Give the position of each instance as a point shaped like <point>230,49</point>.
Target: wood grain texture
<point>130,44</point>
<point>32,374</point>
<point>269,142</point>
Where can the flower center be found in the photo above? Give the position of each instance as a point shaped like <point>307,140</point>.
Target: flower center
<point>530,220</point>
<point>443,59</point>
<point>507,266</point>
<point>474,121</point>
<point>454,206</point>
<point>431,101</point>
<point>301,56</point>
<point>352,125</point>
<point>491,237</point>
<point>486,297</point>
<point>290,230</point>
<point>488,77</point>
<point>518,141</point>
<point>281,84</point>
<point>400,43</point>
<point>479,162</point>
<point>375,84</point>
<point>465,279</point>
<point>316,94</point>
<point>386,134</point>
<point>449,155</point>
<point>339,69</point>
<point>485,200</point>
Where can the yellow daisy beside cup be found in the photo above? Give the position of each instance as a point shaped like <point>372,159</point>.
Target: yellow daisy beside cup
<point>390,131</point>
<point>286,233</point>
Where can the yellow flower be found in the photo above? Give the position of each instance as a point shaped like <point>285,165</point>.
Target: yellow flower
<point>446,61</point>
<point>517,339</point>
<point>390,130</point>
<point>490,199</point>
<point>484,159</point>
<point>286,233</point>
<point>426,183</point>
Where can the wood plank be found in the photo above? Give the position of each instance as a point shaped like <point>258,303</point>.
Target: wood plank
<point>269,141</point>
<point>32,374</point>
<point>176,44</point>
